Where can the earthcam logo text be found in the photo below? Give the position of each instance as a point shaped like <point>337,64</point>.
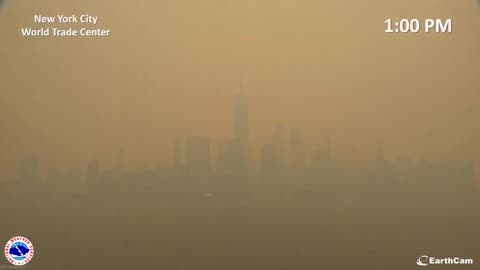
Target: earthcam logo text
<point>426,260</point>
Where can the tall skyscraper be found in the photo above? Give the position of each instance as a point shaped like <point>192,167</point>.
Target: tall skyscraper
<point>297,150</point>
<point>278,141</point>
<point>240,125</point>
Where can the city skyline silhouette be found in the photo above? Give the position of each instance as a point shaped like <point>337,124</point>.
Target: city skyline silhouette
<point>233,135</point>
<point>281,159</point>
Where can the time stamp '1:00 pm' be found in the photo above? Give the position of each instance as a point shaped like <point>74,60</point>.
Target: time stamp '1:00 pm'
<point>416,26</point>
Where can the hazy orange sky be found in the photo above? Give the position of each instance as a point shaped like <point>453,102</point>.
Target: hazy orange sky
<point>172,68</point>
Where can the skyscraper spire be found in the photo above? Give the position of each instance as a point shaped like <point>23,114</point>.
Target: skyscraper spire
<point>241,124</point>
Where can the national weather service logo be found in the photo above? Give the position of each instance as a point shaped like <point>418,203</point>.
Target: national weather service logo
<point>19,250</point>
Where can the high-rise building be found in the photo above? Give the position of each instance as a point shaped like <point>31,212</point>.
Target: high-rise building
<point>198,156</point>
<point>278,142</point>
<point>240,125</point>
<point>231,162</point>
<point>297,150</point>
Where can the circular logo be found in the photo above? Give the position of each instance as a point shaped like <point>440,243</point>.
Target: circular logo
<point>19,250</point>
<point>423,260</point>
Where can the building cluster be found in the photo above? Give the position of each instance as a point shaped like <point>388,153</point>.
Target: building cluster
<point>282,165</point>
